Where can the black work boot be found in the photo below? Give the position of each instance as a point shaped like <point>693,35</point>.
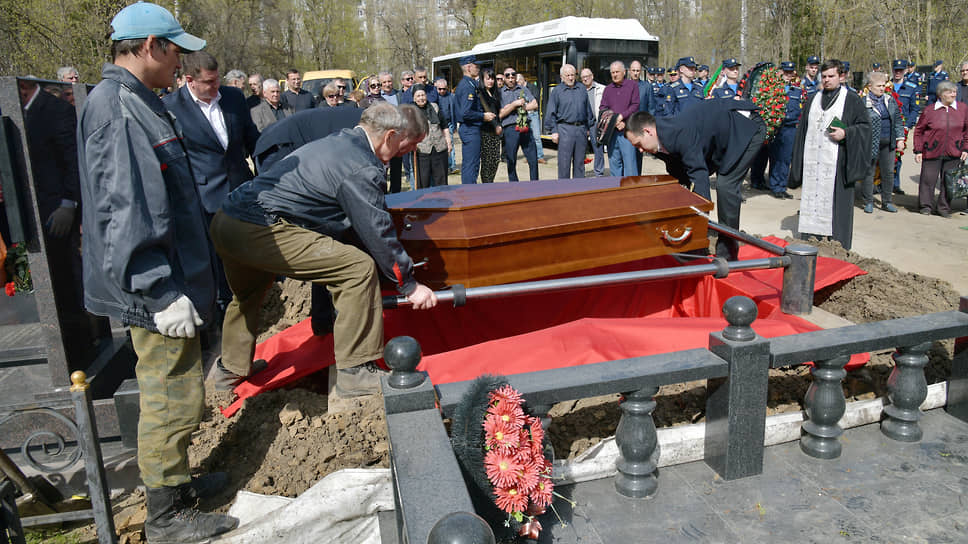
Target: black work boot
<point>173,520</point>
<point>207,485</point>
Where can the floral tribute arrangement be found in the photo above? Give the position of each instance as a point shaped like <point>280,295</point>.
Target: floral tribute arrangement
<point>764,85</point>
<point>16,266</point>
<point>501,451</point>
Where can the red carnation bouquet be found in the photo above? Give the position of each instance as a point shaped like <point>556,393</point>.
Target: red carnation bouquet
<point>521,125</point>
<point>501,450</point>
<point>16,266</point>
<point>763,84</point>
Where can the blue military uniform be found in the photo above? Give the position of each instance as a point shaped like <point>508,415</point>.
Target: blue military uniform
<point>907,93</point>
<point>727,90</point>
<point>932,84</point>
<point>702,81</point>
<point>469,112</point>
<point>811,85</point>
<point>678,96</point>
<point>781,148</point>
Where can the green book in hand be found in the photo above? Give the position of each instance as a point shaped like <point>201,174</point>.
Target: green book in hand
<point>836,123</point>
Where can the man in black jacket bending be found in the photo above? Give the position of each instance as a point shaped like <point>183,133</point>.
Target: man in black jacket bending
<point>714,136</point>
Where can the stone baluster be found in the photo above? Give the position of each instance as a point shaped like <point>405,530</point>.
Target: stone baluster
<point>825,405</point>
<point>906,390</point>
<point>736,405</point>
<point>461,528</point>
<point>638,445</point>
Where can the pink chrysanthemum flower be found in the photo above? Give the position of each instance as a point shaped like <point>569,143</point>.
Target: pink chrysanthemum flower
<point>510,499</point>
<point>541,494</point>
<point>528,477</point>
<point>500,436</point>
<point>501,469</point>
<point>510,413</point>
<point>507,394</point>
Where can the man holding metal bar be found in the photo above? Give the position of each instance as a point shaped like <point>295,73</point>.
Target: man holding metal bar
<point>304,218</point>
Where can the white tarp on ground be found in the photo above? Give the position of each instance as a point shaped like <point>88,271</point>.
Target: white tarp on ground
<point>340,509</point>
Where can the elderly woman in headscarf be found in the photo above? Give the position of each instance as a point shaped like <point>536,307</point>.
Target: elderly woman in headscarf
<point>432,151</point>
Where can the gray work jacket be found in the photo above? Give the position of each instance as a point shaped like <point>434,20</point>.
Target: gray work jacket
<point>145,234</point>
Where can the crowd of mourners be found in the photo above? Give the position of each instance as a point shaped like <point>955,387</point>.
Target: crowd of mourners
<point>195,197</point>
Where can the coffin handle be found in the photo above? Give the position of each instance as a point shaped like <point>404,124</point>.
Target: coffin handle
<point>687,232</point>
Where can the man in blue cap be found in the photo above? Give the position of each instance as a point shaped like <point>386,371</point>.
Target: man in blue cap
<point>469,112</point>
<point>781,148</point>
<point>730,86</point>
<point>907,93</point>
<point>147,262</point>
<point>936,76</point>
<point>678,96</point>
<point>876,67</point>
<point>811,75</point>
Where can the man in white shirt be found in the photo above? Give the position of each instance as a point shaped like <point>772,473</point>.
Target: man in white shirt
<point>219,135</point>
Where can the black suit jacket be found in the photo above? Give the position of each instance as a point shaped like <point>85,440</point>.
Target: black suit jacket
<point>708,137</point>
<point>217,170</point>
<point>51,125</point>
<point>285,136</point>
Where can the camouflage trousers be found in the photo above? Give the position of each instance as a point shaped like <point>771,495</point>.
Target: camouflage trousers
<point>172,389</point>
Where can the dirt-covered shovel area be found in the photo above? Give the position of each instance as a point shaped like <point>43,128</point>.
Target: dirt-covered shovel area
<point>282,442</point>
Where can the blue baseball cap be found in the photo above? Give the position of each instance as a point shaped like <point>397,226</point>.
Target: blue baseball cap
<point>685,61</point>
<point>788,66</point>
<point>704,67</point>
<point>659,70</point>
<point>899,64</point>
<point>469,59</point>
<point>143,19</point>
<point>813,59</point>
<point>731,63</point>
<point>876,65</point>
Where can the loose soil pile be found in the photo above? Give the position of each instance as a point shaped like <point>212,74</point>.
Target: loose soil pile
<point>282,442</point>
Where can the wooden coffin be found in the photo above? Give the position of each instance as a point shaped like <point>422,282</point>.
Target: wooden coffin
<point>492,234</point>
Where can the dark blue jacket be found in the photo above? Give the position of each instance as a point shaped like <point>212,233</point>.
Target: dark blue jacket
<point>907,92</point>
<point>51,125</point>
<point>334,186</point>
<point>446,104</point>
<point>467,103</point>
<point>285,136</point>
<point>217,170</point>
<point>676,98</point>
<point>708,137</point>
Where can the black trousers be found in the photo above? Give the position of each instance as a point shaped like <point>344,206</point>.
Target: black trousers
<point>729,191</point>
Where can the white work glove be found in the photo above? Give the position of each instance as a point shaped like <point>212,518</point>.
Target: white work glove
<point>179,319</point>
<point>60,220</point>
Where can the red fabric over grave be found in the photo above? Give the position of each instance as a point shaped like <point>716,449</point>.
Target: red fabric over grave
<point>536,332</point>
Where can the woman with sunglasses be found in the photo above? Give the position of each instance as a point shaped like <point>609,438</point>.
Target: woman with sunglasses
<point>373,88</point>
<point>490,132</point>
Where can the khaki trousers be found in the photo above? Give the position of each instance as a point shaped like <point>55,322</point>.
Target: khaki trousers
<point>254,255</point>
<point>172,390</point>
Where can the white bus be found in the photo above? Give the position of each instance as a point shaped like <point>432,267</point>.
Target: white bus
<point>539,50</point>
